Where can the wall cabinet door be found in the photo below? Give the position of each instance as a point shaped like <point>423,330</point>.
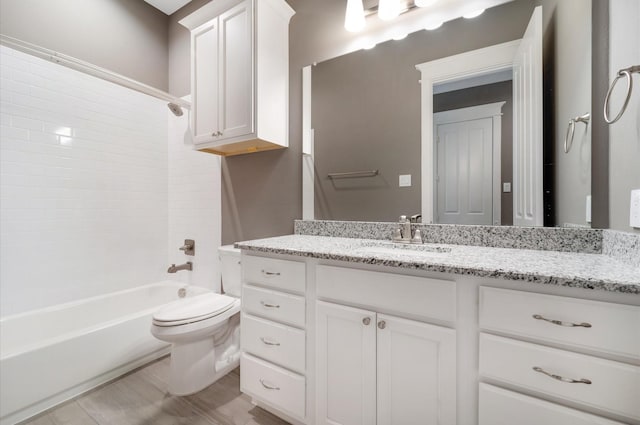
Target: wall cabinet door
<point>379,369</point>
<point>346,365</point>
<point>222,76</point>
<point>416,365</point>
<point>236,72</point>
<point>204,77</point>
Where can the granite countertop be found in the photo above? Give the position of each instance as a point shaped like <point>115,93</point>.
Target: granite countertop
<point>578,270</point>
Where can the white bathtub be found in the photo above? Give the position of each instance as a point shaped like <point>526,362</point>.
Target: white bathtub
<point>53,354</point>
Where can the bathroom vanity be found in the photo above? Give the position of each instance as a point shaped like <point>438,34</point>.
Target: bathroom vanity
<point>361,331</point>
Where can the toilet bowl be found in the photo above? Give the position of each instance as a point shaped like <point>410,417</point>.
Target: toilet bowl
<point>204,331</point>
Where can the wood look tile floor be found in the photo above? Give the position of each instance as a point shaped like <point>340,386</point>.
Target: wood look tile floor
<point>141,398</point>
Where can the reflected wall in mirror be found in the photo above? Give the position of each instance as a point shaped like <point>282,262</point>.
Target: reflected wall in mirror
<point>366,115</point>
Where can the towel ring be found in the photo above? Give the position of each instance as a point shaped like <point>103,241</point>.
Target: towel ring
<point>626,72</point>
<point>568,138</point>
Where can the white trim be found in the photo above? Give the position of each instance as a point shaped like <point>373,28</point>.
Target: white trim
<point>490,110</point>
<point>308,168</point>
<point>476,62</point>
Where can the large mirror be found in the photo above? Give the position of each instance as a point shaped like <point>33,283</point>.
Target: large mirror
<point>371,157</point>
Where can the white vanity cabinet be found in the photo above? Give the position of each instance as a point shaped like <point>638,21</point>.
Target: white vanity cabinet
<point>528,342</point>
<point>273,334</point>
<point>377,368</point>
<point>239,75</point>
<point>329,342</point>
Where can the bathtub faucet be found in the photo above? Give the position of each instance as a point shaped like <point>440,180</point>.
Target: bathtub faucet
<point>187,266</point>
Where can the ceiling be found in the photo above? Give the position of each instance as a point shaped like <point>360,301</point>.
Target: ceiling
<point>167,6</point>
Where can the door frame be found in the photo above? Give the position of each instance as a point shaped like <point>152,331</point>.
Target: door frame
<point>489,110</point>
<point>483,61</point>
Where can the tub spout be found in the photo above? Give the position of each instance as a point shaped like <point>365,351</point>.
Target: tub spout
<point>187,266</point>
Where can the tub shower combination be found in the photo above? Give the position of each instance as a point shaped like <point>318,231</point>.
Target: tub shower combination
<point>53,354</point>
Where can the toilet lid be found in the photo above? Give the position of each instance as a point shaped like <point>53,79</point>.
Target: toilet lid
<point>192,308</point>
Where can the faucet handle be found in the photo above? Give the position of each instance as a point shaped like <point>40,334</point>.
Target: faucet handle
<point>189,247</point>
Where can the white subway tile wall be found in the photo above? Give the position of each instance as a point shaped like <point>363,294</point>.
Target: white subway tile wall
<point>194,206</point>
<point>88,199</point>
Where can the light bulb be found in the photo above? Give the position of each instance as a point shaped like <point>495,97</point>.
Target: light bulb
<point>473,14</point>
<point>369,46</point>
<point>399,36</point>
<point>424,3</point>
<point>354,17</point>
<point>388,9</point>
<point>433,25</point>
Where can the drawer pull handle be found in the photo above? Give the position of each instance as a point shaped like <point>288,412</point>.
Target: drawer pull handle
<point>269,387</point>
<point>561,323</point>
<point>266,273</point>
<point>267,342</point>
<point>267,305</point>
<point>560,378</point>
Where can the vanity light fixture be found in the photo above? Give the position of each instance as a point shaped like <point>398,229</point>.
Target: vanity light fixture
<point>388,9</point>
<point>424,3</point>
<point>354,16</point>
<point>473,14</point>
<point>400,36</point>
<point>433,25</point>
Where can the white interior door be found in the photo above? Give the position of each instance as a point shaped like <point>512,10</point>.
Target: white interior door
<point>527,126</point>
<point>464,178</point>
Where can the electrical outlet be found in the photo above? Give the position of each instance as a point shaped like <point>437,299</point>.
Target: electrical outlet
<point>404,180</point>
<point>634,210</point>
<point>506,187</point>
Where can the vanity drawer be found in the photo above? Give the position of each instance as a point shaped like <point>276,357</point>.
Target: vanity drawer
<point>409,295</point>
<point>283,275</point>
<point>280,344</point>
<point>614,386</point>
<point>274,305</point>
<point>282,389</point>
<point>503,407</point>
<point>613,328</point>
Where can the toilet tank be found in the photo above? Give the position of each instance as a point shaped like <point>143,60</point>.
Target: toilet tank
<point>230,270</point>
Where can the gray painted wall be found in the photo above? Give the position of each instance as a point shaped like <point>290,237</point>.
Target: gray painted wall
<point>125,36</point>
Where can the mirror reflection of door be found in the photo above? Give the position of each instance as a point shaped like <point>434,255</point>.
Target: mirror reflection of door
<point>467,168</point>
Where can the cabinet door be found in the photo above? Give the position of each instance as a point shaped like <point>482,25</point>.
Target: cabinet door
<point>346,365</point>
<point>236,72</point>
<point>416,373</point>
<point>204,80</point>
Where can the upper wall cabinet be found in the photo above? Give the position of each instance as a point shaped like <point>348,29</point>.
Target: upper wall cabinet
<point>240,76</point>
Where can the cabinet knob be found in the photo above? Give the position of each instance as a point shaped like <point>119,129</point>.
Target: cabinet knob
<point>366,321</point>
<point>214,134</point>
<point>382,324</point>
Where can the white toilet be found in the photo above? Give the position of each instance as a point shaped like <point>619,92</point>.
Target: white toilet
<point>204,331</point>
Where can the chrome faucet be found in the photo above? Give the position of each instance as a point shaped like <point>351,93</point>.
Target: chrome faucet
<point>187,266</point>
<point>402,234</point>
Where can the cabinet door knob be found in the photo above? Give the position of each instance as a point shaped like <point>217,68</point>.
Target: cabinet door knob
<point>382,324</point>
<point>366,321</point>
<point>214,134</point>
<point>219,133</point>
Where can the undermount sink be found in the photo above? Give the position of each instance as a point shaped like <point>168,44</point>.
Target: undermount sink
<point>406,249</point>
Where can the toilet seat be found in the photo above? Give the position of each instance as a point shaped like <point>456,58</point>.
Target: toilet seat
<point>192,309</point>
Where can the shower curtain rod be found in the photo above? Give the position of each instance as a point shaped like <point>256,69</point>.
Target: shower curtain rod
<point>90,69</point>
